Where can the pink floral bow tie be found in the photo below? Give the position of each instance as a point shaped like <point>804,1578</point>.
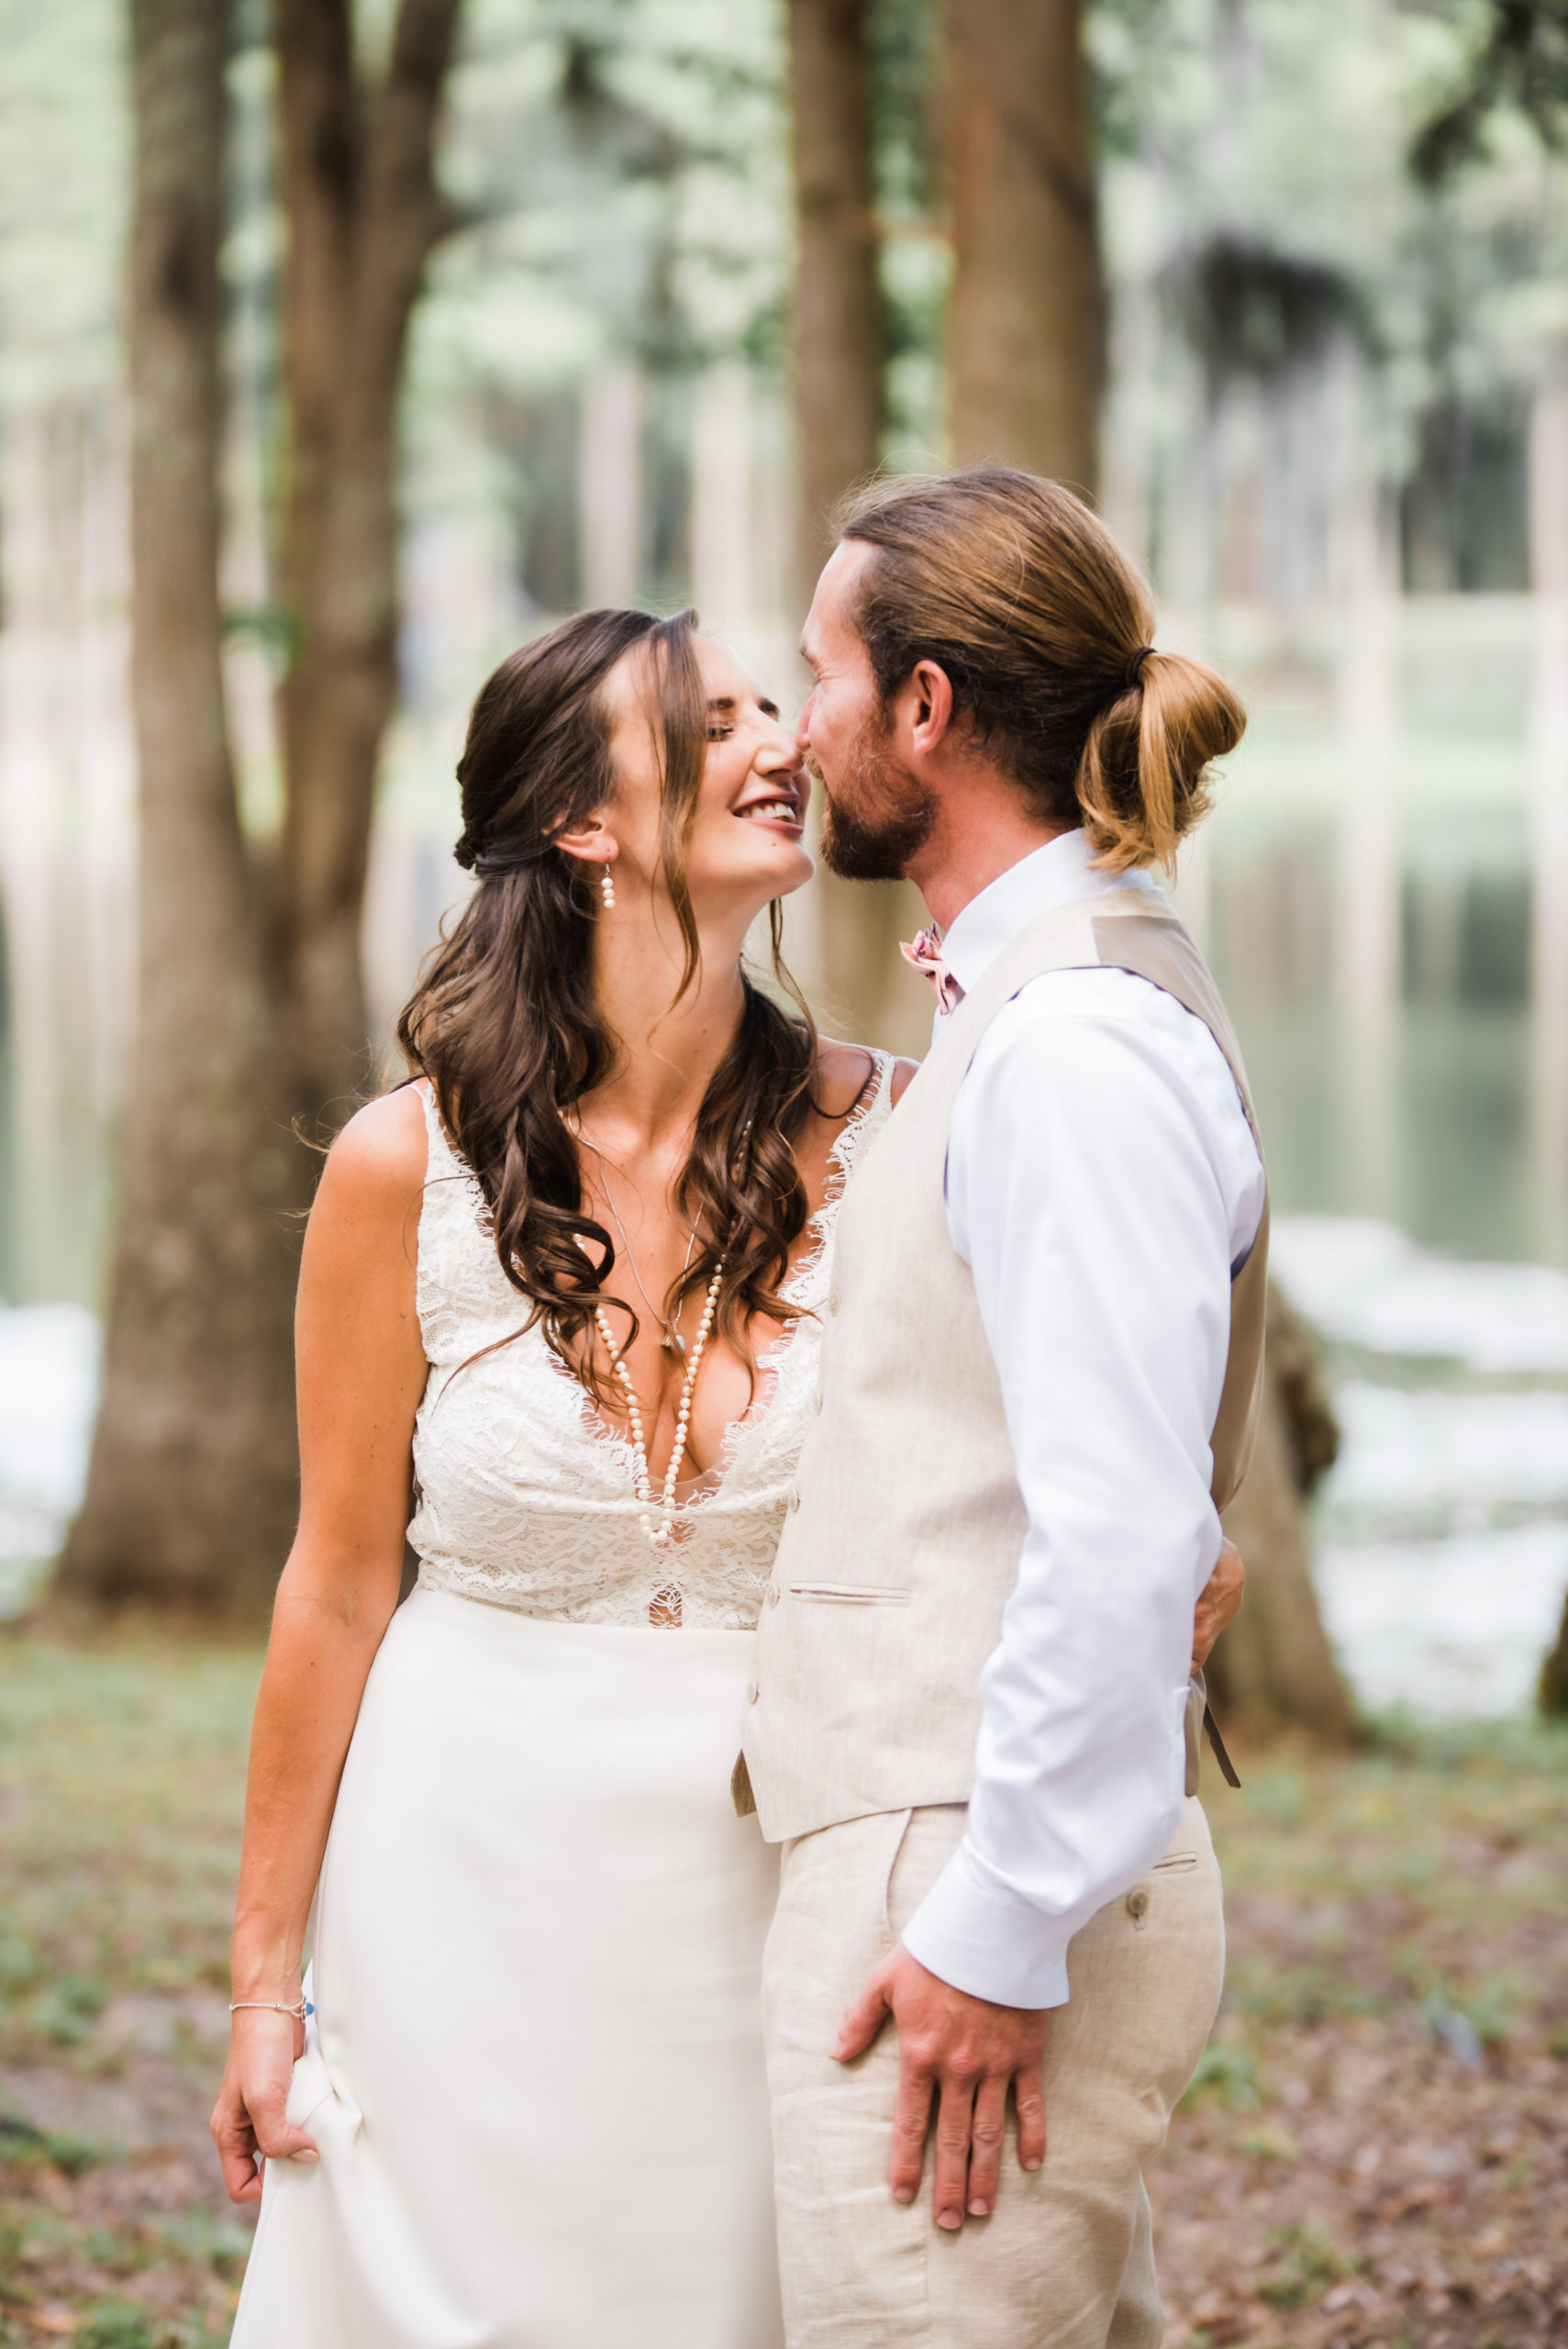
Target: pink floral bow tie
<point>923,953</point>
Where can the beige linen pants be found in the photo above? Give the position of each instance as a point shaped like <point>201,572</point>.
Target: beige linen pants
<point>1066,2260</point>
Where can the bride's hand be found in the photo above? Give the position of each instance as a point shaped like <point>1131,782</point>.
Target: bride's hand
<point>248,2120</point>
<point>1219,1602</point>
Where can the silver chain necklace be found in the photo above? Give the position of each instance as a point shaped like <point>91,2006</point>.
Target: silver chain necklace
<point>671,1342</point>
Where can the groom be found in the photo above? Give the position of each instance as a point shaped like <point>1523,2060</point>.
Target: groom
<point>999,1944</point>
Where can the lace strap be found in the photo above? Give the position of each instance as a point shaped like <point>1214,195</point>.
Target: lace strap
<point>862,1126</point>
<point>453,1204</point>
<point>444,1164</point>
<point>438,1151</point>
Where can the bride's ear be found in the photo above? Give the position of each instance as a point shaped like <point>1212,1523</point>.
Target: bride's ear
<point>590,841</point>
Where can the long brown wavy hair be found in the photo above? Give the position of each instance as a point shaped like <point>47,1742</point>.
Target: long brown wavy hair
<point>504,1022</point>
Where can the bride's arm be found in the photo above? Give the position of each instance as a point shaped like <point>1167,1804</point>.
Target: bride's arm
<point>360,1368</point>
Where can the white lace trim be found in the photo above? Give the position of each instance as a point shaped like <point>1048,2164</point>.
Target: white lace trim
<point>526,1497</point>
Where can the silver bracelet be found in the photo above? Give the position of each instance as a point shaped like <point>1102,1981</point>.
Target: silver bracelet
<point>273,2006</point>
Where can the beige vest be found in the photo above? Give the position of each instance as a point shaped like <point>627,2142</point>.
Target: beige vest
<point>902,1543</point>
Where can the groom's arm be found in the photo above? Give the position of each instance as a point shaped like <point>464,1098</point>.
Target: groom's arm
<point>1099,1174</point>
<point>1101,1177</point>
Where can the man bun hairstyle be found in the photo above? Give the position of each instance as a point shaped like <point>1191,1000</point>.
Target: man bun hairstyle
<point>1043,627</point>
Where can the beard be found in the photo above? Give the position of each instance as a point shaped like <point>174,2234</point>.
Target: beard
<point>882,814</point>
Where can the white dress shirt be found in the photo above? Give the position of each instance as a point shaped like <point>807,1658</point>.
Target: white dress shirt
<point>1102,1182</point>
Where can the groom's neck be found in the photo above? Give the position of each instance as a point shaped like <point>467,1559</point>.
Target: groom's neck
<point>984,828</point>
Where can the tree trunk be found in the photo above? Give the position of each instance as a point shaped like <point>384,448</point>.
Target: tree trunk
<point>1274,1663</point>
<point>1553,1688</point>
<point>363,213</point>
<point>838,352</point>
<point>192,1487</point>
<point>1028,325</point>
<point>838,326</point>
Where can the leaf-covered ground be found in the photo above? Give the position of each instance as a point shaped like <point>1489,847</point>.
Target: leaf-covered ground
<point>1376,2150</point>
<point>121,1777</point>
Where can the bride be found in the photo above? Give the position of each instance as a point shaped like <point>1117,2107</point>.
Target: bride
<point>569,1276</point>
<point>561,1291</point>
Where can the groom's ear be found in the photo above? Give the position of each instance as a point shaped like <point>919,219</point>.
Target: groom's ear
<point>931,713</point>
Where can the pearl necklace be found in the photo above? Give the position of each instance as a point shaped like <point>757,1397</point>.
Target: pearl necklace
<point>660,1535</point>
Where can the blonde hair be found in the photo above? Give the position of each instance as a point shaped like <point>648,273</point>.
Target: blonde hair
<point>1043,627</point>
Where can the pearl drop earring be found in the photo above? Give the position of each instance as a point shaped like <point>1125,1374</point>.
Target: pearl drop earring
<point>608,888</point>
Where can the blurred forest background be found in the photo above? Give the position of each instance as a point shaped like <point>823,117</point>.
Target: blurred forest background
<point>365,341</point>
<point>346,343</point>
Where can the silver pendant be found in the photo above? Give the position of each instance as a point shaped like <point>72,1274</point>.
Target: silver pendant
<point>673,1341</point>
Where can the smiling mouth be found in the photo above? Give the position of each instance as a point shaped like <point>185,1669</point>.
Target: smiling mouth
<point>782,810</point>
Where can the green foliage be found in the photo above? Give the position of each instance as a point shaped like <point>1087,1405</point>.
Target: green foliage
<point>1487,2017</point>
<point>65,140</point>
<point>1270,2143</point>
<point>218,2244</point>
<point>1309,2265</point>
<point>1520,65</point>
<point>20,1963</point>
<point>1227,2069</point>
<point>1278,1796</point>
<point>114,2325</point>
<point>1308,1995</point>
<point>21,2142</point>
<point>121,1864</point>
<point>70,2007</point>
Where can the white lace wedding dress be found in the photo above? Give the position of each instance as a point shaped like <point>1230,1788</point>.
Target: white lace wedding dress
<point>534,2072</point>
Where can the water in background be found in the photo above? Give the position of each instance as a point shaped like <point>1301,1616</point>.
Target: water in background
<point>1441,1555</point>
<point>1442,1548</point>
<point>1374,891</point>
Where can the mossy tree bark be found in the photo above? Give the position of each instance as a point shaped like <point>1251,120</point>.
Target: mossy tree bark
<point>363,214</point>
<point>191,1491</point>
<point>1274,1663</point>
<point>251,1009</point>
<point>1553,1688</point>
<point>839,335</point>
<point>1028,334</point>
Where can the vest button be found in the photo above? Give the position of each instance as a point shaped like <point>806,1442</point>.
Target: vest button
<point>834,1300</point>
<point>772,1593</point>
<point>751,1693</point>
<point>794,1501</point>
<point>1138,1904</point>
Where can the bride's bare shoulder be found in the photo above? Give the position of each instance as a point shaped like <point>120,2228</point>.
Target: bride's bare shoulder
<point>845,1070</point>
<point>379,1159</point>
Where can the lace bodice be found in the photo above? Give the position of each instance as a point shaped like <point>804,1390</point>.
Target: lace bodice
<point>526,1499</point>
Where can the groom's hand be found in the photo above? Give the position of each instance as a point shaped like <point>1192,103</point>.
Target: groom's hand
<point>967,2054</point>
<point>1219,1602</point>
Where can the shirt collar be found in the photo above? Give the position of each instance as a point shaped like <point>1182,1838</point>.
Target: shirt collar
<point>1052,875</point>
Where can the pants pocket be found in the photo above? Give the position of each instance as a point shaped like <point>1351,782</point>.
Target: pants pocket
<point>894,1853</point>
<point>927,1839</point>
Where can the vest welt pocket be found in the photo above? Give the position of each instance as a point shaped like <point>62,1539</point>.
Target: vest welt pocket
<point>1175,1859</point>
<point>852,1594</point>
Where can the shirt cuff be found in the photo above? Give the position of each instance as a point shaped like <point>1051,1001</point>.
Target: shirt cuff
<point>987,1939</point>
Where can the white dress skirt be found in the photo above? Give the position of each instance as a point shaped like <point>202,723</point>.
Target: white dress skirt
<point>534,2074</point>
